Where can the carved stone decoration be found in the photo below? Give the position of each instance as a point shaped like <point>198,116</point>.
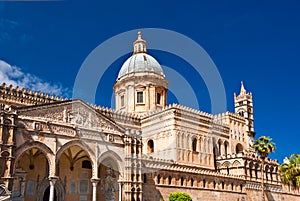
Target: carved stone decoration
<point>109,185</point>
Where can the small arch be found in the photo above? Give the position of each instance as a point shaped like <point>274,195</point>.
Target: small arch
<point>250,169</point>
<point>150,146</point>
<point>204,183</point>
<point>256,170</point>
<point>266,172</point>
<point>192,182</point>
<point>170,180</point>
<point>158,179</point>
<point>239,148</point>
<point>219,148</point>
<point>182,181</point>
<point>226,145</point>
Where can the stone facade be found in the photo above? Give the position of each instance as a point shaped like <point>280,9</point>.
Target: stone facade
<point>58,149</point>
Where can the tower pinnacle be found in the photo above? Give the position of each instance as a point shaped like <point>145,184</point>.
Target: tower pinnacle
<point>243,90</point>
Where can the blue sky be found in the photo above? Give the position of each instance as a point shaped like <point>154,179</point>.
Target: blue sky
<point>43,45</point>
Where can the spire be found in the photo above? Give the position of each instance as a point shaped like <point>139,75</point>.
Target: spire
<point>139,46</point>
<point>243,90</point>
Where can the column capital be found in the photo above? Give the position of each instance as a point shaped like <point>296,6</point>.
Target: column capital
<point>53,179</point>
<point>95,180</point>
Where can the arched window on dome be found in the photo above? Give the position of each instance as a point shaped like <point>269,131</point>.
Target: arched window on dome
<point>122,100</point>
<point>158,98</point>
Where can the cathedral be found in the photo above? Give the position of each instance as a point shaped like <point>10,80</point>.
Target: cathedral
<point>55,149</point>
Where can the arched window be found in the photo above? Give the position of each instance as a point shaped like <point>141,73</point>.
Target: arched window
<point>220,148</point>
<point>223,185</point>
<point>226,148</point>
<point>192,182</point>
<point>250,169</point>
<point>204,183</point>
<point>182,181</point>
<point>241,113</point>
<point>150,146</point>
<point>194,145</point>
<point>158,179</point>
<point>256,171</point>
<point>170,180</point>
<point>239,148</point>
<point>266,172</point>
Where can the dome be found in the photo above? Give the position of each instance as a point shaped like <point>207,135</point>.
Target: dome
<point>140,62</point>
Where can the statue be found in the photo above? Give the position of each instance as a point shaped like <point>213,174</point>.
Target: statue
<point>109,185</point>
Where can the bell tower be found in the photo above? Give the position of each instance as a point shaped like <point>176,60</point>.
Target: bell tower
<point>243,106</point>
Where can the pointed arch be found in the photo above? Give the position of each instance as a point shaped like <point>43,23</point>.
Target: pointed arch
<point>78,143</point>
<point>41,146</point>
<point>111,158</point>
<point>83,146</point>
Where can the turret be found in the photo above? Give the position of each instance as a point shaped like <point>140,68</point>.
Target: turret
<point>243,106</point>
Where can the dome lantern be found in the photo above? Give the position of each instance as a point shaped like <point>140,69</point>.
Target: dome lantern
<point>139,46</point>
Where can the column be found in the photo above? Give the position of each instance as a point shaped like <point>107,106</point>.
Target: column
<point>94,184</point>
<point>120,191</point>
<point>52,187</point>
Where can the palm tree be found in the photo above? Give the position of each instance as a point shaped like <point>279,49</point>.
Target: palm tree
<point>290,170</point>
<point>263,146</point>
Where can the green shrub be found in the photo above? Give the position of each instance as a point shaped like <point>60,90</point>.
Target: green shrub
<point>179,196</point>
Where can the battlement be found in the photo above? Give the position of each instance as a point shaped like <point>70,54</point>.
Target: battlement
<point>25,97</point>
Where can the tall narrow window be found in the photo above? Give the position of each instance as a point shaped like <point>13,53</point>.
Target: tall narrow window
<point>122,100</point>
<point>158,98</point>
<point>139,97</point>
<point>170,180</point>
<point>194,144</point>
<point>150,146</point>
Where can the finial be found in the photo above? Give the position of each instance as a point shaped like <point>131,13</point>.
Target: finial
<point>243,90</point>
<point>139,35</point>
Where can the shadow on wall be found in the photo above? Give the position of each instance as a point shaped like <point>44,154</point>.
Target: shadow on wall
<point>269,196</point>
<point>150,191</point>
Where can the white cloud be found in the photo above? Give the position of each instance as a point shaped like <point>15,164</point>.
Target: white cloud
<point>13,75</point>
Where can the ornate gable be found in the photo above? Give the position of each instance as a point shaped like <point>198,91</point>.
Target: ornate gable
<point>73,113</point>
